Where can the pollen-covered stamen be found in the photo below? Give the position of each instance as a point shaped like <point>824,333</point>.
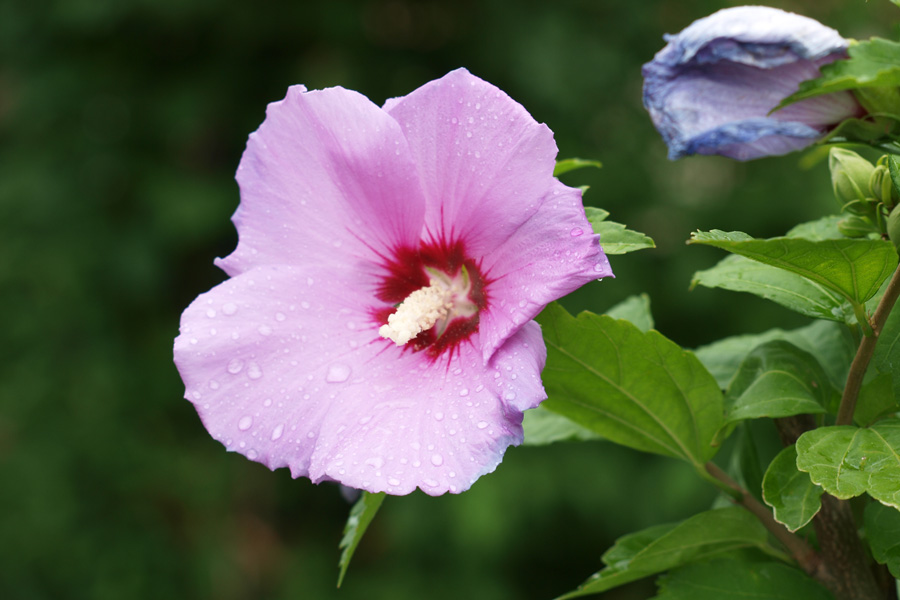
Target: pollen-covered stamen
<point>444,299</point>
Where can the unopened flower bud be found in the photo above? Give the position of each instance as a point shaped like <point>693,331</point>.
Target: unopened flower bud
<point>893,227</point>
<point>855,227</point>
<point>850,175</point>
<point>882,184</point>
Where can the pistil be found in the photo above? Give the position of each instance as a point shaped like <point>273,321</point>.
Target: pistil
<point>419,312</point>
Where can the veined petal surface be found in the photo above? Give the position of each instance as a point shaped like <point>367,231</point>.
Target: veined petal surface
<point>326,178</point>
<point>283,368</point>
<point>348,210</point>
<point>484,162</point>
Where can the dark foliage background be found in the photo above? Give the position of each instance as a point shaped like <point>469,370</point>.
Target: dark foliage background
<point>121,125</point>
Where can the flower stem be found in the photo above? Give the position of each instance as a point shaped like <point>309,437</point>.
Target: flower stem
<point>805,556</point>
<point>866,350</point>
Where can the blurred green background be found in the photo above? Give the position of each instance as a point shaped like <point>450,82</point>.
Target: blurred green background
<point>121,125</point>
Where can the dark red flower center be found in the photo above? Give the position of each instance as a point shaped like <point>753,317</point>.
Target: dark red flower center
<point>438,266</point>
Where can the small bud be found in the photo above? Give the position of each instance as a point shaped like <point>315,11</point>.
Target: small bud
<point>850,175</point>
<point>893,226</point>
<point>855,227</point>
<point>880,184</point>
<point>890,194</point>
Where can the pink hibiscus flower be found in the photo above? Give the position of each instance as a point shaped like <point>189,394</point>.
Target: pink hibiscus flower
<point>376,329</point>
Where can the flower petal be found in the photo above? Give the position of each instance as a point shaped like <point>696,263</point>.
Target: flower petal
<point>326,178</point>
<point>485,163</point>
<point>549,256</point>
<point>283,367</point>
<point>759,36</point>
<point>711,89</point>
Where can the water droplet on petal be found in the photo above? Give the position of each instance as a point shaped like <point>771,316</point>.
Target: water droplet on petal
<point>264,330</point>
<point>393,481</point>
<point>279,316</point>
<point>213,384</point>
<point>375,461</point>
<point>482,424</point>
<point>252,454</point>
<point>438,416</point>
<point>253,371</point>
<point>337,373</point>
<point>576,231</point>
<point>235,365</point>
<point>229,308</point>
<point>510,396</point>
<point>210,312</point>
<point>245,423</point>
<point>276,433</point>
<point>437,460</point>
<point>464,392</point>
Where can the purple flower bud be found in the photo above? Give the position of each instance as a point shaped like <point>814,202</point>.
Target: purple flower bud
<point>711,89</point>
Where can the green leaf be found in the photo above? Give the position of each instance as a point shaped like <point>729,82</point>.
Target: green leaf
<point>853,268</point>
<point>544,427</point>
<point>876,400</point>
<point>730,578</point>
<point>361,516</point>
<point>664,547</point>
<point>777,379</point>
<point>635,309</point>
<point>571,164</point>
<point>634,388</point>
<point>740,274</point>
<point>883,533</point>
<point>825,228</point>
<point>831,344</point>
<point>848,461</point>
<point>614,238</point>
<point>887,350</point>
<point>872,63</point>
<point>790,492</point>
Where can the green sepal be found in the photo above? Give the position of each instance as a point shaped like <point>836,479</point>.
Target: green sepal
<point>872,63</point>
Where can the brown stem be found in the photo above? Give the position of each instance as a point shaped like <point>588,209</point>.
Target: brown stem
<point>805,556</point>
<point>844,567</point>
<point>866,350</point>
<point>842,552</point>
<point>790,428</point>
